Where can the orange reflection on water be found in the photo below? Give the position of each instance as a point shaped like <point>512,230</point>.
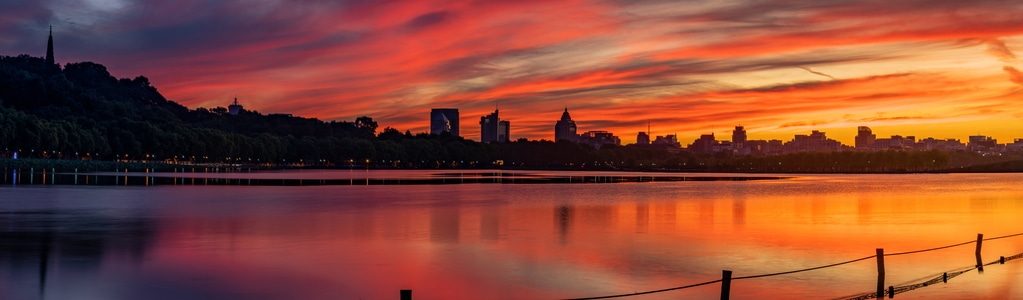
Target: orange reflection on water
<point>556,241</point>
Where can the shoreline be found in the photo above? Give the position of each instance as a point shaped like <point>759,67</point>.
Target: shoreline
<point>87,166</point>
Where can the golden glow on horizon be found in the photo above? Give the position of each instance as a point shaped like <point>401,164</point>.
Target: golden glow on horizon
<point>944,70</point>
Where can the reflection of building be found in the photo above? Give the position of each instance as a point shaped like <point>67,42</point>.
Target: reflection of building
<point>565,128</point>
<point>563,221</point>
<point>865,138</point>
<point>444,120</point>
<point>234,108</point>
<point>599,138</point>
<point>492,129</point>
<point>444,225</point>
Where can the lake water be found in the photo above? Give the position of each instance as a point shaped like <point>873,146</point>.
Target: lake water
<point>506,241</point>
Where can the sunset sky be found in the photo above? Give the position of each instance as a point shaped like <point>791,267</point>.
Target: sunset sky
<point>943,69</point>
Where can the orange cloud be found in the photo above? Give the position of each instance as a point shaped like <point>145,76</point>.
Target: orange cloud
<point>616,65</point>
<point>998,49</point>
<point>1014,74</point>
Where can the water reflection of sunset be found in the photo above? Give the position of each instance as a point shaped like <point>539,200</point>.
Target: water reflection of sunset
<point>576,241</point>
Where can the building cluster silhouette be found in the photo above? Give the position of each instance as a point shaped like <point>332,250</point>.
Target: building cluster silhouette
<point>565,130</point>
<point>493,129</point>
<point>817,141</point>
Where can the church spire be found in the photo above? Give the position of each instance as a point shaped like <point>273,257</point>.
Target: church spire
<point>49,48</point>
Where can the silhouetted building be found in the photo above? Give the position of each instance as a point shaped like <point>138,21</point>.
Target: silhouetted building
<point>643,138</point>
<point>234,108</point>
<point>817,141</point>
<point>935,144</point>
<point>491,129</point>
<point>599,138</point>
<point>763,147</point>
<point>503,131</point>
<point>896,142</point>
<point>738,137</point>
<point>49,48</point>
<point>668,141</point>
<point>704,144</point>
<point>1016,145</point>
<point>565,128</point>
<point>444,120</point>
<point>982,143</point>
<point>865,138</point>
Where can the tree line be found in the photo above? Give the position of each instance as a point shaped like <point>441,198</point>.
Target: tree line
<point>81,112</point>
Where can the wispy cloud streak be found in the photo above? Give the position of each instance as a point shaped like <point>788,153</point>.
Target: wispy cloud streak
<point>685,66</point>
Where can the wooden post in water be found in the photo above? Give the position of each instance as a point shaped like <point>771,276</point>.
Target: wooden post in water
<point>406,294</point>
<point>980,263</point>
<point>891,291</point>
<point>880,273</point>
<point>726,283</point>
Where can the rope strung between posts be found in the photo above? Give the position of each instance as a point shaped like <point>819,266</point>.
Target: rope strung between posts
<point>950,246</point>
<point>931,249</point>
<point>807,269</point>
<point>648,292</point>
<point>938,278</point>
<point>1004,236</point>
<point>904,288</point>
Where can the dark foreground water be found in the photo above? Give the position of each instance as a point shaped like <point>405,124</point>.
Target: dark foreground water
<point>506,241</point>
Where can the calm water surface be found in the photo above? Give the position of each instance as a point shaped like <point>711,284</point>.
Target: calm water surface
<point>501,241</point>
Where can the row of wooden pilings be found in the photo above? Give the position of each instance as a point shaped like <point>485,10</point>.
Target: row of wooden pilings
<point>726,275</point>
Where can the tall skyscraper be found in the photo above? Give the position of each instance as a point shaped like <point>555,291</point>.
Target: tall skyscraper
<point>504,131</point>
<point>565,128</point>
<point>444,120</point>
<point>643,138</point>
<point>489,127</point>
<point>865,138</point>
<point>49,48</point>
<point>738,136</point>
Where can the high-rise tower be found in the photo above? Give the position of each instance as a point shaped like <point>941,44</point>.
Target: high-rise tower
<point>565,128</point>
<point>444,120</point>
<point>49,48</point>
<point>493,129</point>
<point>489,127</point>
<point>865,138</point>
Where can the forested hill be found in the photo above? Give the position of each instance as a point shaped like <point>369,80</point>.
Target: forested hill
<point>82,109</point>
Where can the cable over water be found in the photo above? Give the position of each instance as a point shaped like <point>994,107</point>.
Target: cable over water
<point>943,277</point>
<point>647,292</point>
<point>930,280</point>
<point>931,249</point>
<point>804,270</point>
<point>1004,236</point>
